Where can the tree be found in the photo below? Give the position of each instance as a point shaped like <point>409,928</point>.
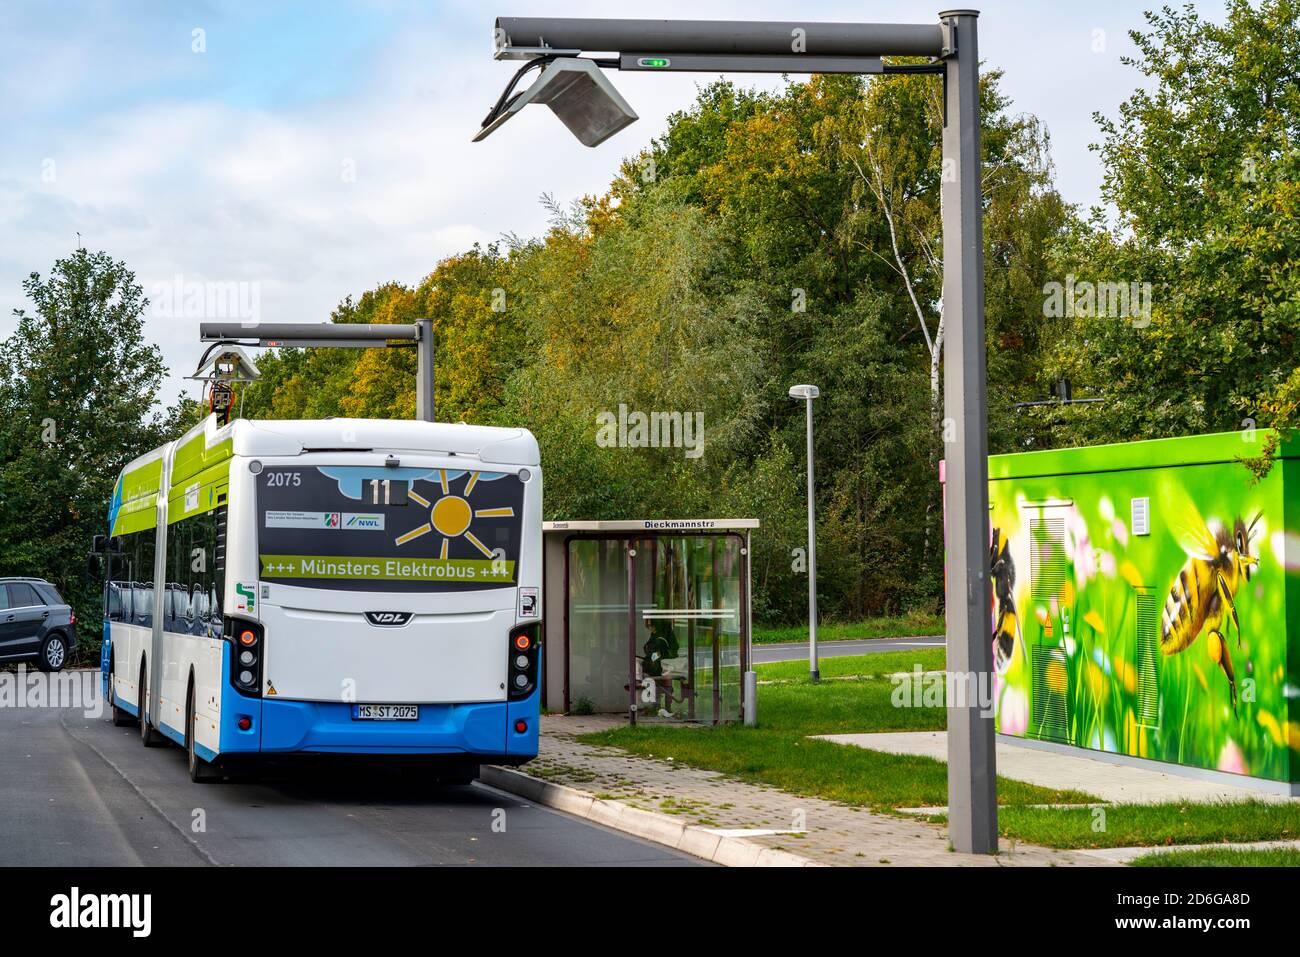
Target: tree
<point>1202,171</point>
<point>78,389</point>
<point>742,252</point>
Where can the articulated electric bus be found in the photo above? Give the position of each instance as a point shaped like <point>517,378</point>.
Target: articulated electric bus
<point>346,586</point>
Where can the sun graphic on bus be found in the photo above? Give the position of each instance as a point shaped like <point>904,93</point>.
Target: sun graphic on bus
<point>452,516</point>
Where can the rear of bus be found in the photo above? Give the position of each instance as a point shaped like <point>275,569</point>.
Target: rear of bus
<point>384,581</point>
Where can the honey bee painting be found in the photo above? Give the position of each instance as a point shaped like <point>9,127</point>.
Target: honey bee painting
<point>1204,593</point>
<point>1003,572</point>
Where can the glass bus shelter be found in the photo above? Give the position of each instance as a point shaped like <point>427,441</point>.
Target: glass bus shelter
<point>650,618</point>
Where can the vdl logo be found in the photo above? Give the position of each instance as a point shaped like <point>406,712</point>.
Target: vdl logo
<point>388,619</point>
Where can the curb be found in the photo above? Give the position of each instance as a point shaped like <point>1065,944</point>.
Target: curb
<point>647,825</point>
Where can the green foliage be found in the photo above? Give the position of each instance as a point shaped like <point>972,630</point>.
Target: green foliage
<point>1151,825</point>
<point>769,238</point>
<point>741,253</point>
<point>1221,857</point>
<point>894,626</point>
<point>78,385</point>
<point>780,753</point>
<point>875,664</point>
<point>1201,167</point>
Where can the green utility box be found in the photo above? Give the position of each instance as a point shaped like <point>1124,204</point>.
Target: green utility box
<point>1147,601</point>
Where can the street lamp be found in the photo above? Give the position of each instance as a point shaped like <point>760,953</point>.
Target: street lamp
<point>577,92</point>
<point>808,393</point>
<point>952,45</point>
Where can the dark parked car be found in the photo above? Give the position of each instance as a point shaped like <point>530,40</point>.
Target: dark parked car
<point>35,623</point>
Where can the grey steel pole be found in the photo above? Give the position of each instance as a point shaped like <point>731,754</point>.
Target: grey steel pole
<point>290,332</point>
<point>424,371</point>
<point>721,36</point>
<point>814,671</point>
<point>972,779</point>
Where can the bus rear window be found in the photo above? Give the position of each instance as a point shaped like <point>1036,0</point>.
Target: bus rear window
<point>389,529</point>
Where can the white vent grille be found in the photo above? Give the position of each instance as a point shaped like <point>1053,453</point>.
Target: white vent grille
<point>1148,655</point>
<point>1140,516</point>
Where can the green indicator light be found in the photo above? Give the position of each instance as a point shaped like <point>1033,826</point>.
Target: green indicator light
<point>653,61</point>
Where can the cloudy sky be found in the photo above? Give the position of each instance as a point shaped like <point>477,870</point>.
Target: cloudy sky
<point>312,150</point>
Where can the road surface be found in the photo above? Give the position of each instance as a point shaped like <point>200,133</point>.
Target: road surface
<point>796,650</point>
<point>78,791</point>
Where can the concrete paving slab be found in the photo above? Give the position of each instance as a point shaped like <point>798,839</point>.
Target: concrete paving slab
<point>732,822</point>
<point>1115,783</point>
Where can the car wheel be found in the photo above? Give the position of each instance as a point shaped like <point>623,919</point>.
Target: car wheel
<point>54,653</point>
<point>148,736</point>
<point>201,772</point>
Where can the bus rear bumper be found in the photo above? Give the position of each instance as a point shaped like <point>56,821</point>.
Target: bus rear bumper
<point>487,729</point>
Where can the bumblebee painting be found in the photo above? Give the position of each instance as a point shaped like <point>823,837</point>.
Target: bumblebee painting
<point>1003,572</point>
<point>1204,593</point>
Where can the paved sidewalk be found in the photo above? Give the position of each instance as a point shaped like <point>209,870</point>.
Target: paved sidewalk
<point>1112,782</point>
<point>823,832</point>
<point>1122,855</point>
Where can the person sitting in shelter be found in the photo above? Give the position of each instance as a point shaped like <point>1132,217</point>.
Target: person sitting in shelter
<point>661,645</point>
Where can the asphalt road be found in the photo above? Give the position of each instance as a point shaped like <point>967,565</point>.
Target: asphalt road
<point>796,650</point>
<point>78,791</point>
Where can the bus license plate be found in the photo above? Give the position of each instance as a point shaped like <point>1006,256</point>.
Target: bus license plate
<point>386,712</point>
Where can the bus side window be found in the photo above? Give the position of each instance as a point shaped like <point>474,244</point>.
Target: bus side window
<point>217,587</point>
<point>144,610</point>
<point>113,601</point>
<point>196,616</point>
<point>214,599</point>
<point>171,608</point>
<point>182,598</point>
<point>142,598</point>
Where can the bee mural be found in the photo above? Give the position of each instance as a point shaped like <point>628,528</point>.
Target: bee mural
<point>1003,572</point>
<point>1219,560</point>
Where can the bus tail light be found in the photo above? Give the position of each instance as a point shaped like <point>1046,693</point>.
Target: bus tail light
<point>246,656</point>
<point>524,651</point>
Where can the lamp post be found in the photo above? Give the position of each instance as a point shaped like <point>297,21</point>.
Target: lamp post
<point>808,393</point>
<point>587,104</point>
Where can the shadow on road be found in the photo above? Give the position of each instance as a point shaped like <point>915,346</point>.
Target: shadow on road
<point>363,781</point>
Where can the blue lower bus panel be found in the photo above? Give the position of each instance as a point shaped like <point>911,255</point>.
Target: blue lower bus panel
<point>484,729</point>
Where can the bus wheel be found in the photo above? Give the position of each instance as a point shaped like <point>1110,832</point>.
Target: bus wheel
<point>201,772</point>
<point>148,736</point>
<point>121,717</point>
